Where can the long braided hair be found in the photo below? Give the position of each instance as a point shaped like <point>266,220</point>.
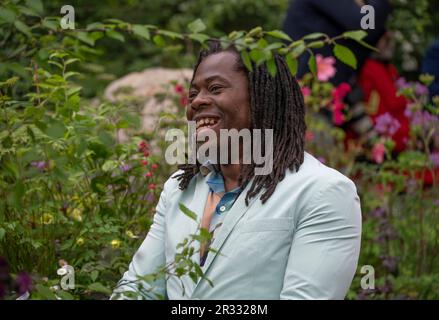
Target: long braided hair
<point>276,103</point>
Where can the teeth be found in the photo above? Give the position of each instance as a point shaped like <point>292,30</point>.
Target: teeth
<point>206,122</point>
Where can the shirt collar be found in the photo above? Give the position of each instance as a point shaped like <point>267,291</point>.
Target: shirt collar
<point>215,180</point>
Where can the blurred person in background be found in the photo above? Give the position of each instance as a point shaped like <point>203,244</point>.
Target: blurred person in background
<point>333,17</point>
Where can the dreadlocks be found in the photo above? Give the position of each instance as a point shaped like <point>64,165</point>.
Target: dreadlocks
<point>276,103</point>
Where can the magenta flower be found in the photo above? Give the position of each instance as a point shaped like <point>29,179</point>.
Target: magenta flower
<point>386,125</point>
<point>306,91</point>
<point>325,67</point>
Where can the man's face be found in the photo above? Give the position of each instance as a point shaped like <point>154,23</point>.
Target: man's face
<point>218,96</point>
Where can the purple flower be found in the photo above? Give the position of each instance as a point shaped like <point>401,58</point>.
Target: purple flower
<point>386,125</point>
<point>23,282</point>
<point>41,165</point>
<point>424,119</point>
<point>434,158</point>
<point>322,160</point>
<point>378,213</point>
<point>421,90</point>
<point>401,83</point>
<point>125,167</point>
<point>436,202</point>
<point>390,263</point>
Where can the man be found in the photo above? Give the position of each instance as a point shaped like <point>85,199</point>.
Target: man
<point>293,233</point>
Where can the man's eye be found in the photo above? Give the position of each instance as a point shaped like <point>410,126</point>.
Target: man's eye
<point>215,89</point>
<point>192,95</point>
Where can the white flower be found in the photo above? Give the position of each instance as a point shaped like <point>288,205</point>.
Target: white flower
<point>61,271</point>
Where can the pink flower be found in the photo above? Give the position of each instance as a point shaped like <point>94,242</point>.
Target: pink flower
<point>338,117</point>
<point>306,91</point>
<point>378,152</point>
<point>179,88</point>
<point>325,67</point>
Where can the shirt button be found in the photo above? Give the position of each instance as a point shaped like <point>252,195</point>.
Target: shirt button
<point>222,208</point>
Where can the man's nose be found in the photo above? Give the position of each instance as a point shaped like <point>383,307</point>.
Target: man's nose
<point>200,100</point>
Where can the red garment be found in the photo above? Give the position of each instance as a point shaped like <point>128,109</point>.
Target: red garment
<point>381,77</point>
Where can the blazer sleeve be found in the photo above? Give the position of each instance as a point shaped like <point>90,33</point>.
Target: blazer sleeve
<point>148,258</point>
<point>326,244</point>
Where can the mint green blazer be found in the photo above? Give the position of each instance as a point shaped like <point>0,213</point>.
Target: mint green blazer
<point>303,243</point>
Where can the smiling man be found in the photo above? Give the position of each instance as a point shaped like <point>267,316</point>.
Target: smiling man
<point>293,233</point>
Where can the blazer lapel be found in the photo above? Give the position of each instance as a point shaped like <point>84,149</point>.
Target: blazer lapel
<point>230,220</point>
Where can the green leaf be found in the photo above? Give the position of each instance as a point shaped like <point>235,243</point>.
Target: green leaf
<point>115,35</point>
<point>28,11</point>
<point>312,64</point>
<point>355,35</point>
<point>45,292</point>
<point>316,44</point>
<point>23,28</point>
<point>99,287</point>
<point>246,59</point>
<point>170,34</point>
<point>56,130</point>
<point>279,34</point>
<point>64,295</point>
<point>141,31</point>
<point>50,24</point>
<point>271,66</point>
<point>7,15</point>
<point>201,38</point>
<point>313,36</point>
<point>188,212</point>
<point>345,55</point>
<point>2,233</point>
<point>94,275</point>
<point>37,5</point>
<point>196,26</point>
<point>159,41</point>
<point>292,64</point>
<point>85,37</point>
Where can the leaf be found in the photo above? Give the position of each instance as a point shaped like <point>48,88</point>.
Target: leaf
<point>313,36</point>
<point>28,11</point>
<point>115,35</point>
<point>50,24</point>
<point>292,64</point>
<point>246,59</point>
<point>188,212</point>
<point>37,5</point>
<point>356,35</point>
<point>56,130</point>
<point>94,275</point>
<point>141,31</point>
<point>64,295</point>
<point>201,38</point>
<point>85,37</point>
<point>279,34</point>
<point>170,34</point>
<point>2,233</point>
<point>23,28</point>
<point>7,15</point>
<point>345,55</point>
<point>45,292</point>
<point>197,26</point>
<point>271,66</point>
<point>99,287</point>
<point>159,41</point>
<point>312,64</point>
